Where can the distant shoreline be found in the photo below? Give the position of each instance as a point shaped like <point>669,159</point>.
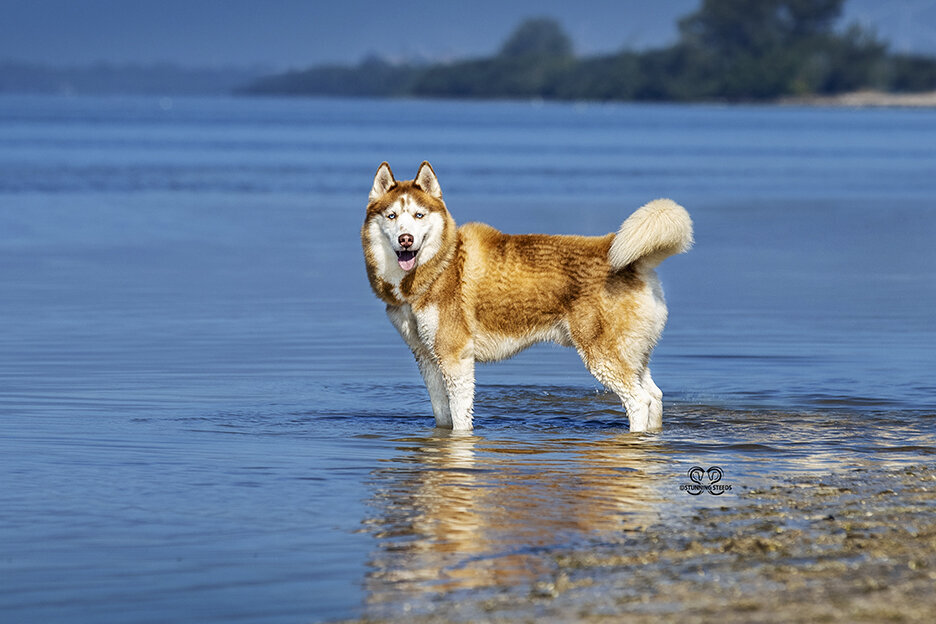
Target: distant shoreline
<point>854,99</point>
<point>865,99</point>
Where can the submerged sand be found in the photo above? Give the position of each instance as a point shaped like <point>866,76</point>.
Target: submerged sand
<point>859,546</point>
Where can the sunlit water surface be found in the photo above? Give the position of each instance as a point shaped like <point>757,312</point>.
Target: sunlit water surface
<point>205,416</point>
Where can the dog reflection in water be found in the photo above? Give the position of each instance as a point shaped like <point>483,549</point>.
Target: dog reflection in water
<point>456,511</point>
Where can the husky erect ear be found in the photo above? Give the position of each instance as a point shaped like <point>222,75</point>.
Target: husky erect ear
<point>383,182</point>
<point>427,181</point>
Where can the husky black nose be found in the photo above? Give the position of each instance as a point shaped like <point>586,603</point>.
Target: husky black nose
<point>406,241</point>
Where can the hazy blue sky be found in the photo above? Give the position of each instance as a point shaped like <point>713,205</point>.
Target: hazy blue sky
<point>296,33</point>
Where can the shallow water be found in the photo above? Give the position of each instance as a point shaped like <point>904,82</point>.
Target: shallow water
<point>206,416</point>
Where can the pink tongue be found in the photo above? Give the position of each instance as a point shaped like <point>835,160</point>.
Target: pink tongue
<point>407,265</point>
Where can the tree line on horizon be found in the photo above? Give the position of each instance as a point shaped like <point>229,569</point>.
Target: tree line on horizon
<point>730,50</point>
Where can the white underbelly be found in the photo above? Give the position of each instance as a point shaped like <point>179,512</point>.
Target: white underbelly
<point>493,346</point>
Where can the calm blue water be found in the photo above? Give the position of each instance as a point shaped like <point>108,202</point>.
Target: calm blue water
<point>205,416</point>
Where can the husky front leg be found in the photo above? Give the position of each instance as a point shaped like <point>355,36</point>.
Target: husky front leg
<point>459,384</point>
<point>404,320</point>
<point>435,384</point>
<point>453,352</point>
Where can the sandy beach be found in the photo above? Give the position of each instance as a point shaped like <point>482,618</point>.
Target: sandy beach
<point>859,546</point>
<point>867,99</point>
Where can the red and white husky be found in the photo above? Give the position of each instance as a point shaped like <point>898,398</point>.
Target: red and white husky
<point>460,295</point>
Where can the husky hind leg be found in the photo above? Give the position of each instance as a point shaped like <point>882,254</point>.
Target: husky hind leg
<point>617,375</point>
<point>656,396</point>
<point>639,404</point>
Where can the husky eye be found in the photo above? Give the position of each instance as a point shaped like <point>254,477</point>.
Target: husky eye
<point>391,216</point>
<point>419,215</point>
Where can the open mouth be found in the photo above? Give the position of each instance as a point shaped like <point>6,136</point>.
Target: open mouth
<point>407,259</point>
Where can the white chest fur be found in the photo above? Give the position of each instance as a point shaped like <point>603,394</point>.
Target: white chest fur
<point>418,328</point>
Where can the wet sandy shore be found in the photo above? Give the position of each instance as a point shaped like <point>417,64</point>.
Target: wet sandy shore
<point>858,546</point>
<point>868,99</point>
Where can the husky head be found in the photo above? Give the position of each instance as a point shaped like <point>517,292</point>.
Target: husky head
<point>407,224</point>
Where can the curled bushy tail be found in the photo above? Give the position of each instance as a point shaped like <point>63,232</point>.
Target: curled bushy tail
<point>652,234</point>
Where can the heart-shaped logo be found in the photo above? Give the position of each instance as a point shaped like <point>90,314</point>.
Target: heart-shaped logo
<point>698,474</point>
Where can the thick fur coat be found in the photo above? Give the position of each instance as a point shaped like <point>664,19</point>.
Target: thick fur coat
<point>460,295</point>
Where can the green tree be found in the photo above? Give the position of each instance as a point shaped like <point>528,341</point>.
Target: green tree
<point>541,37</point>
<point>755,27</point>
<point>760,49</point>
<point>533,62</point>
